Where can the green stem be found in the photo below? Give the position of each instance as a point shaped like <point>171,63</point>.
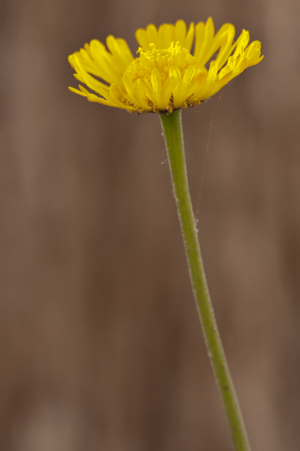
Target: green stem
<point>172,128</point>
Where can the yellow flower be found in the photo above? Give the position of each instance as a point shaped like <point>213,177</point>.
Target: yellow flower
<point>166,75</point>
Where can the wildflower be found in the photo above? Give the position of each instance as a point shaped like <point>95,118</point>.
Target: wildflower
<point>165,76</point>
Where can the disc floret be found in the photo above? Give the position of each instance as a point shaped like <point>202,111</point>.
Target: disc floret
<point>165,76</point>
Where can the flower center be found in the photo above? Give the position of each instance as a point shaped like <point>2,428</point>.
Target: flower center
<point>161,59</point>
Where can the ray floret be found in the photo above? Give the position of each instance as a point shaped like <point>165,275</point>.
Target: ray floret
<point>165,75</point>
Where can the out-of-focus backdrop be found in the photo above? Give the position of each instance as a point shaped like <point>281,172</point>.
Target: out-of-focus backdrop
<point>101,348</point>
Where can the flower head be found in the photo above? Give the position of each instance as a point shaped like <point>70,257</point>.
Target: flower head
<point>166,75</point>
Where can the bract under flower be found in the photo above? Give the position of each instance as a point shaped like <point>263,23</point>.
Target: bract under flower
<point>165,76</point>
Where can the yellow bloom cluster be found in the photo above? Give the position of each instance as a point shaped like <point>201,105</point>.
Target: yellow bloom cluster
<point>166,75</point>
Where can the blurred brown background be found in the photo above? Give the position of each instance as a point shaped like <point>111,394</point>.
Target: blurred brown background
<point>101,348</point>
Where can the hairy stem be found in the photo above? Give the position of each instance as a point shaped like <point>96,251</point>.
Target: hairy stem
<point>172,129</point>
